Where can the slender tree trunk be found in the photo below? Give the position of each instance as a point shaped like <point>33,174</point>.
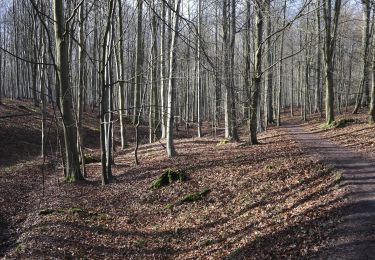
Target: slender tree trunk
<point>372,101</point>
<point>162,73</point>
<point>171,81</point>
<point>198,75</point>
<point>268,93</point>
<point>233,110</point>
<point>330,42</point>
<point>317,105</point>
<point>247,48</point>
<point>226,69</point>
<point>154,69</point>
<point>362,95</point>
<point>42,82</point>
<point>81,87</point>
<point>139,62</point>
<point>121,73</point>
<point>257,77</point>
<point>104,96</point>
<point>281,72</point>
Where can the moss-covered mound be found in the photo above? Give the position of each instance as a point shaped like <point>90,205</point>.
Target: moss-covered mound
<point>223,142</point>
<point>339,123</point>
<point>168,177</point>
<point>89,158</point>
<point>193,197</point>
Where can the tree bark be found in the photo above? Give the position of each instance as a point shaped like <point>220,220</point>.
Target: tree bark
<point>257,78</point>
<point>362,95</point>
<point>330,42</point>
<point>139,62</point>
<point>121,74</point>
<point>171,81</point>
<point>72,167</point>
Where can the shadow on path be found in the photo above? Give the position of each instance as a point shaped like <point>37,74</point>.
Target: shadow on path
<point>354,237</point>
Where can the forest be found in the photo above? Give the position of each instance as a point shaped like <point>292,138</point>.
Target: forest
<point>187,129</point>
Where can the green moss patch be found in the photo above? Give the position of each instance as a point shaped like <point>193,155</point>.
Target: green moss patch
<point>49,211</point>
<point>168,177</point>
<point>89,159</point>
<point>339,123</point>
<point>193,197</point>
<point>223,142</point>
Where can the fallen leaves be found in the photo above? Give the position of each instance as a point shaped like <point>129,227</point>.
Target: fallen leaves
<point>265,201</point>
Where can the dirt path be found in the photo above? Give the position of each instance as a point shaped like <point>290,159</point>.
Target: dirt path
<point>355,235</point>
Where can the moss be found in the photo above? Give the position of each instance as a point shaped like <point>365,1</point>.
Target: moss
<point>206,242</point>
<point>100,229</point>
<point>50,211</point>
<point>19,248</point>
<point>168,177</point>
<point>98,216</point>
<point>70,179</point>
<point>223,142</point>
<point>193,197</point>
<point>269,167</point>
<point>75,210</point>
<point>89,159</point>
<point>169,206</point>
<point>338,177</point>
<point>234,255</point>
<point>141,243</point>
<point>339,123</point>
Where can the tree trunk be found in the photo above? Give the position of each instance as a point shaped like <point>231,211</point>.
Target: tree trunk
<point>139,62</point>
<point>268,92</point>
<point>330,42</point>
<point>105,98</point>
<point>281,72</point>
<point>198,74</point>
<point>257,77</point>
<point>154,69</point>
<point>317,105</point>
<point>162,73</point>
<point>171,81</point>
<point>81,87</point>
<point>372,101</point>
<point>121,74</point>
<point>362,95</point>
<point>72,167</point>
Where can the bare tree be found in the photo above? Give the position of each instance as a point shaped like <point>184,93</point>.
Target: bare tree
<point>171,80</point>
<point>331,24</point>
<point>72,167</point>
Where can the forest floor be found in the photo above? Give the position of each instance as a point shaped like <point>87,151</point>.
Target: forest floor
<point>275,200</point>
